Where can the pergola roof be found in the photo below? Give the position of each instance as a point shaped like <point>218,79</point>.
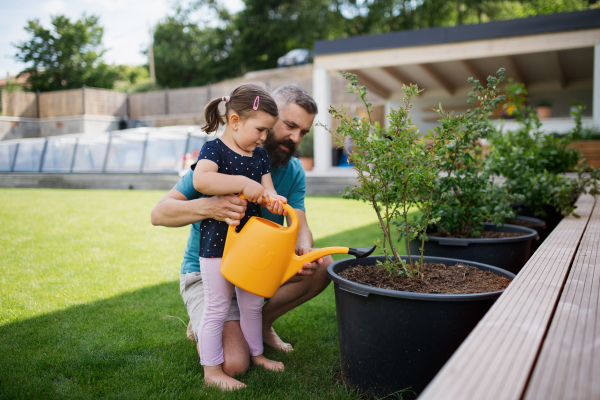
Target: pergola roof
<point>556,50</point>
<point>490,30</point>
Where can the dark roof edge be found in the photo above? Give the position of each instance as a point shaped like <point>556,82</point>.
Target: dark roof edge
<point>496,29</point>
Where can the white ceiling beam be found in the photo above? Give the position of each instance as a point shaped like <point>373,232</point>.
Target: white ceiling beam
<point>562,79</point>
<point>513,69</point>
<point>438,78</point>
<point>473,71</point>
<point>468,50</point>
<point>371,84</point>
<point>397,75</point>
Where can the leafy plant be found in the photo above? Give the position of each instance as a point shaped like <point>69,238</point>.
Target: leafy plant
<point>532,162</point>
<point>544,103</point>
<point>466,194</point>
<point>397,168</point>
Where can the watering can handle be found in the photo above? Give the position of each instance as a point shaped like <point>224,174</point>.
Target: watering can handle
<point>286,207</point>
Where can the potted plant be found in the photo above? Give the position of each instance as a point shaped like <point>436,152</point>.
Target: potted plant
<point>470,206</point>
<point>532,164</point>
<point>544,109</point>
<point>396,326</point>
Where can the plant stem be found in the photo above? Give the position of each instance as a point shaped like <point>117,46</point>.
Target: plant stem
<point>424,233</point>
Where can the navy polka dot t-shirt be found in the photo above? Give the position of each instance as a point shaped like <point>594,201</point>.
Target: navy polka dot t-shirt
<point>212,232</point>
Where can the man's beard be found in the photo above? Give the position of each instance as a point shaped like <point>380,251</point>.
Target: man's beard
<point>279,157</point>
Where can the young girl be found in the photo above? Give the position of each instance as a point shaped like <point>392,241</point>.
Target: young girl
<point>233,164</point>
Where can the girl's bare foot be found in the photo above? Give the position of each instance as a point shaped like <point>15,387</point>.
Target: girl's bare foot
<point>271,339</point>
<point>215,376</point>
<point>267,364</point>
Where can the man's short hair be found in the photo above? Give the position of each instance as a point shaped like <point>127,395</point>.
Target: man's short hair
<point>292,93</point>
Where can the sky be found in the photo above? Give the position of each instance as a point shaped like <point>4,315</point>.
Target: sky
<point>126,25</point>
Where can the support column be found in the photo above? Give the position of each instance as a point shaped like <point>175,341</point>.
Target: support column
<point>322,138</point>
<point>596,95</point>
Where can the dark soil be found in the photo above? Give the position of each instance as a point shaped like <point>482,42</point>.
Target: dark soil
<point>437,278</point>
<point>522,222</point>
<point>484,235</point>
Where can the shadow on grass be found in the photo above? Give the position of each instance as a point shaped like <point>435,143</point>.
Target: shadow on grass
<point>126,347</point>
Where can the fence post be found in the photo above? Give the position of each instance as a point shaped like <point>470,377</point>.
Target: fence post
<point>107,152</point>
<point>166,100</point>
<point>127,110</point>
<point>83,99</point>
<point>74,153</point>
<point>43,155</point>
<point>208,90</point>
<point>144,152</point>
<point>37,102</point>
<point>14,161</point>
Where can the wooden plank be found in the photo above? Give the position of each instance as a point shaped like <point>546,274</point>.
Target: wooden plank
<point>397,75</point>
<point>562,78</point>
<point>514,70</point>
<point>569,363</point>
<point>438,78</point>
<point>371,84</point>
<point>475,73</point>
<point>495,361</point>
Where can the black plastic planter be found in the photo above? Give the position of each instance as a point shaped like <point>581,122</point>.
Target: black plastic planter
<point>538,225</point>
<point>392,340</point>
<point>510,253</point>
<point>552,218</point>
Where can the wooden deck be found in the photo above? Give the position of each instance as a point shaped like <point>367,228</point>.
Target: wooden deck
<point>541,340</point>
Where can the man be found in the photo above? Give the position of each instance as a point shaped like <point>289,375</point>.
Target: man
<point>183,205</point>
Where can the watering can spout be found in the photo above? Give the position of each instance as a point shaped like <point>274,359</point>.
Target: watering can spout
<point>362,252</point>
<point>298,261</point>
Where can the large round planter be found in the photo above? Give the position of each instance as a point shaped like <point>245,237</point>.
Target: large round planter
<point>510,253</point>
<point>392,340</point>
<point>536,224</point>
<point>552,218</point>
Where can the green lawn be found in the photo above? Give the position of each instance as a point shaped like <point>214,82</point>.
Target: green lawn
<point>89,286</point>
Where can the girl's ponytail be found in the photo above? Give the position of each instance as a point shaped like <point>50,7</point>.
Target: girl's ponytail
<point>213,116</point>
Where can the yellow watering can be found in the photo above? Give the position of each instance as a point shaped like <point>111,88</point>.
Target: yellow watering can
<point>260,258</point>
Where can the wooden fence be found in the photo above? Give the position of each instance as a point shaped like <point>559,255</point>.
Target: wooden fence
<point>192,101</point>
<point>19,104</point>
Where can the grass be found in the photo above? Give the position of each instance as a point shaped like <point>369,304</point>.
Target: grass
<point>88,289</point>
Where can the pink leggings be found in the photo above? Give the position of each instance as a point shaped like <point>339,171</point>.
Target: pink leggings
<point>218,293</point>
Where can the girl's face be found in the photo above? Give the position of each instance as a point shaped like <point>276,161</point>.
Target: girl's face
<point>252,132</point>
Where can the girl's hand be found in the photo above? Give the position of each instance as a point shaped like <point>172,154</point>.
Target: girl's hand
<point>276,207</point>
<point>254,191</point>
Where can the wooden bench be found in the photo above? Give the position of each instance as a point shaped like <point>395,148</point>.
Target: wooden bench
<point>541,339</point>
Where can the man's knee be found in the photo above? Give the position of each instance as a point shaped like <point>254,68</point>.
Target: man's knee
<point>235,349</point>
<point>319,279</point>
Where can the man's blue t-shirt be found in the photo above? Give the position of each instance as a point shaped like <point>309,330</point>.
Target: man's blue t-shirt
<point>289,182</point>
<point>213,232</point>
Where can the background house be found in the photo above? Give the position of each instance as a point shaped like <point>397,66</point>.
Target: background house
<point>556,56</point>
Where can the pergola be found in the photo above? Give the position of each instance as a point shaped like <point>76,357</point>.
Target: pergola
<point>556,56</point>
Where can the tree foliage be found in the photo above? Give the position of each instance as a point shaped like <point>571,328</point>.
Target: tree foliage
<point>66,56</point>
<point>202,42</point>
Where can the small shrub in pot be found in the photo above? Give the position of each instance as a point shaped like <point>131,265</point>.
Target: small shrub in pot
<point>394,339</point>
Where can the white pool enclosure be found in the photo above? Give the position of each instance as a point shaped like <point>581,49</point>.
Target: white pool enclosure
<point>139,150</point>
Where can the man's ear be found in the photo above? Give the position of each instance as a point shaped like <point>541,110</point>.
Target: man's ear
<point>234,121</point>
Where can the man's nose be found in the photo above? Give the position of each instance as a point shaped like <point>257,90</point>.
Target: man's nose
<point>295,136</point>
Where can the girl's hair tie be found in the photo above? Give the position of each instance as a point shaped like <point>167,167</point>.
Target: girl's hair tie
<point>255,106</point>
<point>226,99</point>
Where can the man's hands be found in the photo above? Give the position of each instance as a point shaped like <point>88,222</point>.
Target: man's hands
<point>308,268</point>
<point>229,208</point>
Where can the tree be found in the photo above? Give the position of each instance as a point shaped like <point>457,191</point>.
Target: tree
<point>204,43</point>
<point>66,57</point>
